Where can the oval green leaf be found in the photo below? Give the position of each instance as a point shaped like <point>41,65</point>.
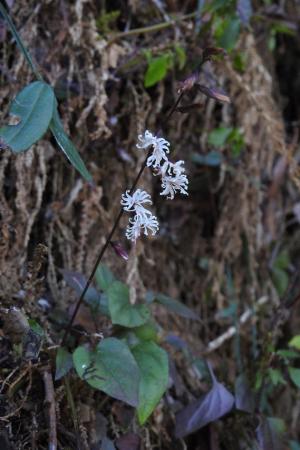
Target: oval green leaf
<point>34,107</point>
<point>111,368</point>
<point>294,374</point>
<point>154,368</point>
<point>68,147</point>
<point>157,70</point>
<point>104,277</point>
<point>173,305</point>
<point>121,310</point>
<point>295,342</point>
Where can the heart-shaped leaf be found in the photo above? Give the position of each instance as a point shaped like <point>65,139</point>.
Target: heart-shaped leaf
<point>67,146</point>
<point>154,368</point>
<point>209,408</point>
<point>121,310</point>
<point>34,107</point>
<point>111,368</point>
<point>172,305</point>
<point>63,363</point>
<point>104,277</point>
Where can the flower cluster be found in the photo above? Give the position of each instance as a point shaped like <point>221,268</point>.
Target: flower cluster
<point>143,220</point>
<point>173,179</point>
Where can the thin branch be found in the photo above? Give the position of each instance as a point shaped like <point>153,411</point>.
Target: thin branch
<point>98,260</point>
<point>50,402</point>
<point>219,341</point>
<point>153,28</point>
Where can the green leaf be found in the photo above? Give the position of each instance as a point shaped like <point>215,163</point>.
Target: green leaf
<point>121,310</point>
<point>295,342</point>
<point>294,445</point>
<point>219,136</point>
<point>228,32</point>
<point>280,279</point>
<point>283,260</point>
<point>34,107</point>
<point>67,146</point>
<point>174,305</point>
<point>276,376</point>
<point>63,363</point>
<point>180,56</point>
<point>36,327</point>
<point>154,368</point>
<point>104,277</point>
<point>157,70</point>
<point>294,375</point>
<point>146,332</point>
<point>288,354</point>
<point>111,368</point>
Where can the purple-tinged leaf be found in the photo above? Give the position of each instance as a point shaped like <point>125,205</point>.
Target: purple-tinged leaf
<point>244,10</point>
<point>244,397</point>
<point>107,444</point>
<point>213,93</point>
<point>176,342</point>
<point>77,281</point>
<point>210,407</point>
<point>93,298</point>
<point>128,441</point>
<point>270,433</point>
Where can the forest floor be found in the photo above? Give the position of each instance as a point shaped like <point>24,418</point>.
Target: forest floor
<point>230,251</point>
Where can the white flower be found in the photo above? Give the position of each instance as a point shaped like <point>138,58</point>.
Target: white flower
<point>160,148</point>
<point>143,220</point>
<point>129,202</point>
<point>146,140</point>
<point>139,224</point>
<point>173,178</point>
<point>133,230</point>
<point>152,224</point>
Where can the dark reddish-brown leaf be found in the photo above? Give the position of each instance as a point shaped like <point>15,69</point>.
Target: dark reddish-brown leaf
<point>188,83</point>
<point>119,250</point>
<point>209,408</point>
<point>214,93</point>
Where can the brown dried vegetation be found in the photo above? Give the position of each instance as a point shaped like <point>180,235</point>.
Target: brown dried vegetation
<point>235,219</point>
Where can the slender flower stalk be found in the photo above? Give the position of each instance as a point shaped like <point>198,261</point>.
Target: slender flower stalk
<point>119,216</point>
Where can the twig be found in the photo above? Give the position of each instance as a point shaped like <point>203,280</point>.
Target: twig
<point>216,343</point>
<point>153,28</point>
<point>13,413</point>
<point>50,403</point>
